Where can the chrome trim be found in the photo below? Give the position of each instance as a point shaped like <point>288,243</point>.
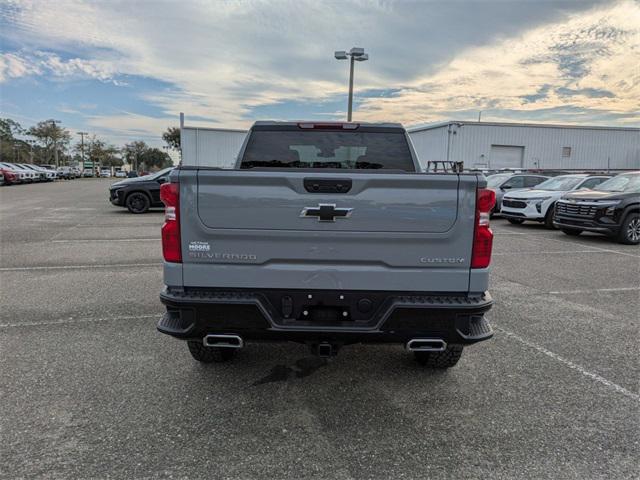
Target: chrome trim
<point>426,345</point>
<point>224,341</point>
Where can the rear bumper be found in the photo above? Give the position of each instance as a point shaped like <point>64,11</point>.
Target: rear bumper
<point>280,316</point>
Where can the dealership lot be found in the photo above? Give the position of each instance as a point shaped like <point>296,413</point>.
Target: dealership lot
<point>90,389</point>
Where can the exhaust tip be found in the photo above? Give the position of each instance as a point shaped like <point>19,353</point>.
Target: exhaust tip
<point>225,341</point>
<point>426,345</point>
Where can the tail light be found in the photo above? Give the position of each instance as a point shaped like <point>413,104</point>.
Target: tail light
<point>483,236</point>
<point>170,196</point>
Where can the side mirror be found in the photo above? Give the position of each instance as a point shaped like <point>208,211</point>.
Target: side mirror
<point>505,187</point>
<point>161,180</point>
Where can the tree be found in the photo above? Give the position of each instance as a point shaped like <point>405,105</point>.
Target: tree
<point>52,137</point>
<point>156,158</point>
<point>133,153</point>
<point>99,152</point>
<point>10,145</point>
<point>171,137</point>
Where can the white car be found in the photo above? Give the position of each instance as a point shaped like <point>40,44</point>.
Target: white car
<point>538,204</point>
<point>105,173</point>
<point>120,174</point>
<point>24,175</point>
<point>45,175</point>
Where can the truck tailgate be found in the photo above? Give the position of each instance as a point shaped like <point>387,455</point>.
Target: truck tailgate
<point>380,231</point>
<point>378,203</point>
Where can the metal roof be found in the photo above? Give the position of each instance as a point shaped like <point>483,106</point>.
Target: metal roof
<point>323,122</point>
<point>432,126</point>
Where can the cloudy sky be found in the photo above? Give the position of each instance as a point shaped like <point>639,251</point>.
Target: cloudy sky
<point>125,69</point>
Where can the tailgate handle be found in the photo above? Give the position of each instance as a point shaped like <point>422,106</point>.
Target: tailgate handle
<point>327,185</point>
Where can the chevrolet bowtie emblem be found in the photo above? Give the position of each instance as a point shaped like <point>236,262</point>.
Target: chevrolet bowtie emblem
<point>326,212</point>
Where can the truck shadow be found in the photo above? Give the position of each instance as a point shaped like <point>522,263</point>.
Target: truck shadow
<point>272,365</point>
<point>303,367</point>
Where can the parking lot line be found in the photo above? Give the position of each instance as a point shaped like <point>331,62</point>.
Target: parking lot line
<point>78,320</point>
<point>573,241</point>
<point>570,364</point>
<point>75,267</point>
<point>596,290</point>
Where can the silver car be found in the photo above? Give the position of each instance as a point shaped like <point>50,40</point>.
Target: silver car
<point>503,182</point>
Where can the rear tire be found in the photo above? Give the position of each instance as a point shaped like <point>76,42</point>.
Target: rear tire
<point>515,221</point>
<point>210,354</point>
<point>137,202</point>
<point>629,233</point>
<point>573,232</point>
<point>445,359</point>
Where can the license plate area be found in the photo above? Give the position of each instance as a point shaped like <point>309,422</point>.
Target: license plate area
<point>325,308</point>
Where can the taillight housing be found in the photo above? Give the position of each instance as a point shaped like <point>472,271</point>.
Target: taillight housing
<point>170,196</point>
<point>482,235</point>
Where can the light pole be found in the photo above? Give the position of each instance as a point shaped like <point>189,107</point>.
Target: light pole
<point>82,134</point>
<point>30,142</point>
<point>357,55</point>
<point>55,140</point>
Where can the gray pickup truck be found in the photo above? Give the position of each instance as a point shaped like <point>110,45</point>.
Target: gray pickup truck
<point>327,234</point>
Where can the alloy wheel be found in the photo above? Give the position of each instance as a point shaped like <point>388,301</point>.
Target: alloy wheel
<point>633,230</point>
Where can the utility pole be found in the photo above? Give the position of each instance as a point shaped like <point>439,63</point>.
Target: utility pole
<point>479,116</point>
<point>55,141</point>
<point>82,134</point>
<point>356,54</point>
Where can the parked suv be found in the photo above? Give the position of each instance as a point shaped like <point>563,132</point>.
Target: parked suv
<point>66,173</point>
<point>23,175</point>
<point>45,175</point>
<point>139,194</point>
<point>538,203</point>
<point>612,209</point>
<point>9,176</point>
<point>508,182</point>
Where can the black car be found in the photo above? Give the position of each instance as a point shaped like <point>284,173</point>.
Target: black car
<point>139,194</point>
<point>612,209</point>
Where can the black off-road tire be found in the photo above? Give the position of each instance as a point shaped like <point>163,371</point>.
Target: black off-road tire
<point>445,359</point>
<point>573,232</point>
<point>515,221</point>
<point>137,202</point>
<point>629,233</point>
<point>548,218</point>
<point>210,354</point>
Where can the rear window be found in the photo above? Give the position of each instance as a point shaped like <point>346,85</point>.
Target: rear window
<point>328,149</point>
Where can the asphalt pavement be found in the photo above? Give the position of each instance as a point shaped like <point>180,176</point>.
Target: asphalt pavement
<point>90,389</point>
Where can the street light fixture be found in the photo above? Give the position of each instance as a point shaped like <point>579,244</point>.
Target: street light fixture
<point>357,55</point>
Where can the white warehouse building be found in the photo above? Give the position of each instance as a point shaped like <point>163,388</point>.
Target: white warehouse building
<point>483,145</point>
<point>488,145</point>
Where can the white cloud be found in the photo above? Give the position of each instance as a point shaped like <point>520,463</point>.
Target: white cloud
<point>224,58</point>
<point>21,64</point>
<point>14,66</point>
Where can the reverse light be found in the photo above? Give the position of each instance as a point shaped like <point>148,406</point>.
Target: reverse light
<point>170,196</point>
<point>483,236</point>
